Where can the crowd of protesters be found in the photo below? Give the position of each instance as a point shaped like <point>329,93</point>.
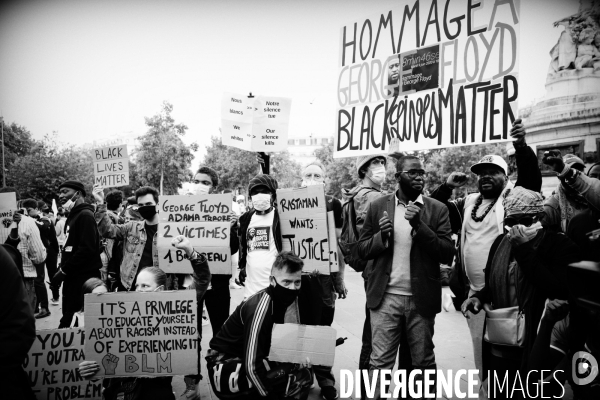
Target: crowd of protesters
<point>510,248</point>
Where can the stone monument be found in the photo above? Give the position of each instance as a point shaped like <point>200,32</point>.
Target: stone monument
<point>568,117</point>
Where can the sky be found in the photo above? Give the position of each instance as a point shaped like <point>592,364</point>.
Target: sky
<point>91,70</point>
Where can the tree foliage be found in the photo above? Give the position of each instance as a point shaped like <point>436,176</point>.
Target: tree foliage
<point>17,143</point>
<point>441,163</point>
<point>48,164</point>
<point>236,167</point>
<point>162,157</point>
<point>341,172</point>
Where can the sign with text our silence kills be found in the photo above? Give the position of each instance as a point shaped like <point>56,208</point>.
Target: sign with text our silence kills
<point>428,74</point>
<point>111,166</point>
<point>255,124</point>
<point>133,334</point>
<point>304,227</point>
<point>205,220</point>
<point>52,366</point>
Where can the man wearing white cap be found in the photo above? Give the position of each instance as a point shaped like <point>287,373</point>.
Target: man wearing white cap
<point>478,218</point>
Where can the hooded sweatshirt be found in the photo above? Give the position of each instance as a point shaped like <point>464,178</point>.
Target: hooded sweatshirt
<point>81,254</point>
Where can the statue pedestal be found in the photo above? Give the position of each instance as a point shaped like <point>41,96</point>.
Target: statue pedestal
<point>572,82</point>
<point>567,118</point>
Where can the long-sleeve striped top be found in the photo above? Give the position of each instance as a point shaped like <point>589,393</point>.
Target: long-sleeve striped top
<point>31,247</point>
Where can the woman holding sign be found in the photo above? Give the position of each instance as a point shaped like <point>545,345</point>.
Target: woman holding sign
<point>154,279</point>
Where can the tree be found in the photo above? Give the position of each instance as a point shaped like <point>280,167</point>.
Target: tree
<point>39,174</point>
<point>340,172</point>
<point>440,163</point>
<point>17,143</point>
<point>236,166</point>
<point>163,160</point>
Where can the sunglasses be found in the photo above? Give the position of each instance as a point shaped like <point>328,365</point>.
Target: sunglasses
<point>525,221</point>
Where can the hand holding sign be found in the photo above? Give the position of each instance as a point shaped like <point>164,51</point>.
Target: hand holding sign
<point>109,362</point>
<point>87,369</point>
<point>413,215</point>
<point>518,131</point>
<point>98,194</point>
<point>183,243</point>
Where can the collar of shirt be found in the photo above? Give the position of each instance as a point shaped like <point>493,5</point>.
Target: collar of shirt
<point>419,200</point>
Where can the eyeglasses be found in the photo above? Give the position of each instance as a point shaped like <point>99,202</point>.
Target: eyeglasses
<point>413,173</point>
<point>526,220</point>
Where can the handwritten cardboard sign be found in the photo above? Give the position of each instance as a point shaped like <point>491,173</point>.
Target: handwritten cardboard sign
<point>142,333</point>
<point>304,227</point>
<point>256,124</point>
<point>8,206</point>
<point>426,75</point>
<point>294,343</point>
<point>111,166</point>
<point>205,220</point>
<point>52,366</point>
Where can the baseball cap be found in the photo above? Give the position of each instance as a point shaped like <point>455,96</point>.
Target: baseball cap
<point>574,162</point>
<point>489,160</point>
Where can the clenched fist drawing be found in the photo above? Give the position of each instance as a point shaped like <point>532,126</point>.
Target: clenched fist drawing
<point>109,362</point>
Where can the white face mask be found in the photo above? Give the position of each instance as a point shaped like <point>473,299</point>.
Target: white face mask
<point>199,188</point>
<point>377,174</point>
<point>70,203</point>
<point>261,201</point>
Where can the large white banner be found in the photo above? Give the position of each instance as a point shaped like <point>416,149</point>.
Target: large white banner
<point>429,74</point>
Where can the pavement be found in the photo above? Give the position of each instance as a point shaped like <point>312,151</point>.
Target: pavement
<point>453,349</point>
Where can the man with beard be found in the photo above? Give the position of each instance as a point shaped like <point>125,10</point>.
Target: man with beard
<point>478,220</point>
<point>407,236</point>
<point>80,259</point>
<point>393,73</point>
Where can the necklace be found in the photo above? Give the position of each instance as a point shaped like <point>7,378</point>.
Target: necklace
<point>487,210</point>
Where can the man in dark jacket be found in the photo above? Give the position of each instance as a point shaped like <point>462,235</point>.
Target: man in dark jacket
<point>238,353</point>
<point>81,254</point>
<point>407,236</point>
<point>477,219</point>
<point>17,327</point>
<point>260,235</point>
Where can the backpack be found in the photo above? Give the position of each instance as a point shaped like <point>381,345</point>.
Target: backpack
<point>349,237</point>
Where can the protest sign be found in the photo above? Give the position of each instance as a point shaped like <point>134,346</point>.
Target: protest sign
<point>205,220</point>
<point>133,334</point>
<point>255,124</point>
<point>294,343</point>
<point>111,166</point>
<point>429,74</point>
<point>8,206</point>
<point>304,227</point>
<point>52,366</point>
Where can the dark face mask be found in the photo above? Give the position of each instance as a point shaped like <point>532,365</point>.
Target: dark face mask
<point>147,212</point>
<point>283,295</point>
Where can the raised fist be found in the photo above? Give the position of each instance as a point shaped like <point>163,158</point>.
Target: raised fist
<point>109,362</point>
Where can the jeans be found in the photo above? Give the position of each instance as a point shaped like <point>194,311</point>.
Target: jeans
<point>51,266</point>
<point>30,290</point>
<point>476,322</point>
<point>40,286</point>
<point>397,316</point>
<point>218,300</point>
